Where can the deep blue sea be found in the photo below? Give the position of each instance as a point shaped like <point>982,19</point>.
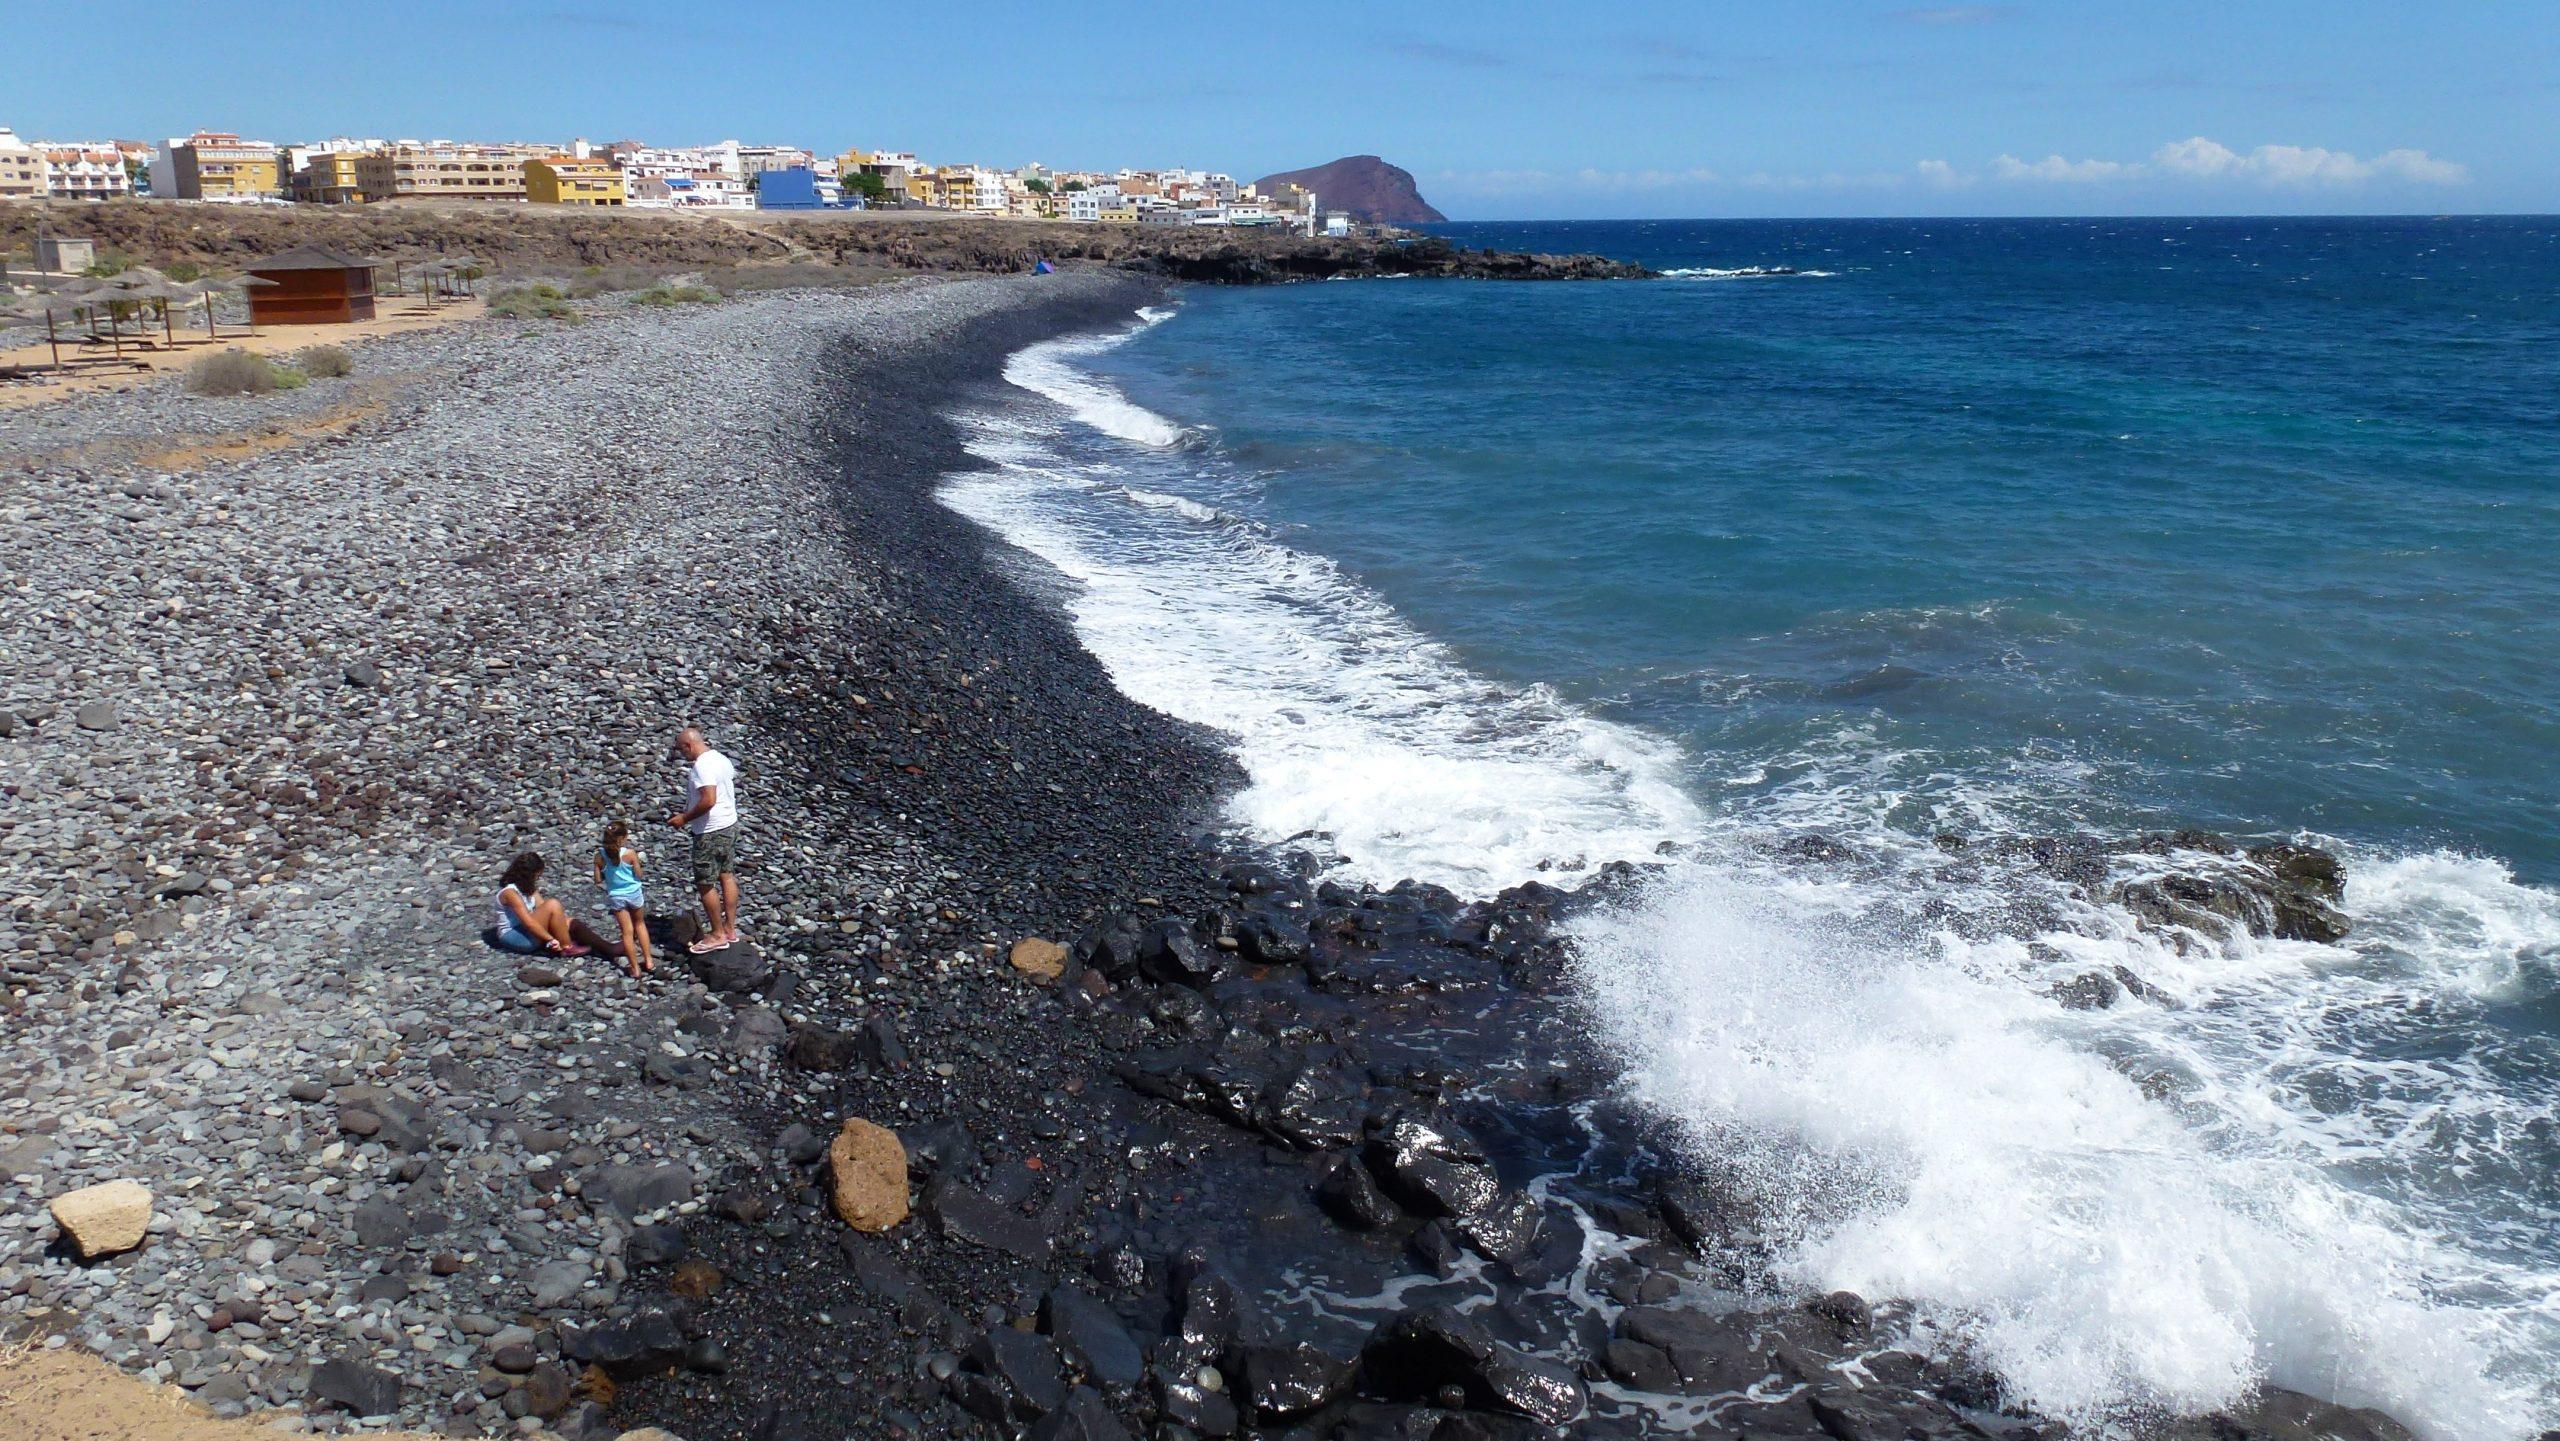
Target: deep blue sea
<point>1887,529</point>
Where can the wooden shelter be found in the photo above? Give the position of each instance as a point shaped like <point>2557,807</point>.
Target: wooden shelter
<point>311,285</point>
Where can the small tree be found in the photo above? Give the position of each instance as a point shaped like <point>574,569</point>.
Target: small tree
<point>1074,185</point>
<point>1036,185</point>
<point>865,184</point>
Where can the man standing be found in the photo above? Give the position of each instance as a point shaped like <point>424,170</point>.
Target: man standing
<point>711,782</point>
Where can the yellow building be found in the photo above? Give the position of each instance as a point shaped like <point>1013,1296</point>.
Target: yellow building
<point>220,166</point>
<point>1120,214</point>
<point>561,180</point>
<point>332,178</point>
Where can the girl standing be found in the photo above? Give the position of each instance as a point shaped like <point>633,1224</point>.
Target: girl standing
<point>618,872</point>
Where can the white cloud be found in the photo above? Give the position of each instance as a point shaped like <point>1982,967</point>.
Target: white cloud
<point>2200,158</point>
<point>2054,167</point>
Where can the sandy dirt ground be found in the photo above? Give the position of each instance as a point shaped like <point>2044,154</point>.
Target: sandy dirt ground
<point>393,316</point>
<point>69,1395</point>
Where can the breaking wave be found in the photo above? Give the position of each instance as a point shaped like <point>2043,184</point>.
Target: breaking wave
<point>2275,1163</point>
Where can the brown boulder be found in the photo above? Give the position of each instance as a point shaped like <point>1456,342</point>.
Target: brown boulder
<point>104,1220</point>
<point>1039,959</point>
<point>867,1167</point>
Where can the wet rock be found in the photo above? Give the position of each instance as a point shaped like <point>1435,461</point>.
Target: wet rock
<point>1210,1313</point>
<point>1422,1354</point>
<point>354,1387</point>
<point>1283,1382</point>
<point>1091,1339</point>
<point>1010,1375</point>
<point>1349,1196</point>
<point>1639,1366</point>
<point>1084,1417</point>
<point>1846,1311</point>
<point>1194,1408</point>
<point>2281,1415</point>
<point>103,1220</point>
<point>1170,955</point>
<point>1709,1352</point>
<point>867,1176</point>
<point>966,1214</point>
<point>2094,991</point>
<point>1429,1166</point>
<point>1506,1231</point>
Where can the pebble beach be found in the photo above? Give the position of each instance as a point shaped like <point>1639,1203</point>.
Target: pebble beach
<point>1038,1104</point>
<point>269,729</point>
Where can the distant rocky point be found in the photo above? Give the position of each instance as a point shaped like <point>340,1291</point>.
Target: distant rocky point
<point>1375,192</point>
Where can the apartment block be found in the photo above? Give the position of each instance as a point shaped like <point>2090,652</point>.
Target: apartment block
<point>218,165</point>
<point>442,170</point>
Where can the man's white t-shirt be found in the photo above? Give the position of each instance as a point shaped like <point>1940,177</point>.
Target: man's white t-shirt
<point>712,769</point>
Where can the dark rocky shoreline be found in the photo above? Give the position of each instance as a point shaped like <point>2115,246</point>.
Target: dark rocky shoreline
<point>1266,1156</point>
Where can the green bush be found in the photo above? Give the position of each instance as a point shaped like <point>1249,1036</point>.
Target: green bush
<point>666,293</point>
<point>237,372</point>
<point>533,302</point>
<point>325,362</point>
<point>289,378</point>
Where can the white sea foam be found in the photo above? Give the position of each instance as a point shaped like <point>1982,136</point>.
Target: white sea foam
<point>2119,1210</point>
<point>1050,370</point>
<point>1346,721</point>
<point>2157,1205</point>
<point>1747,272</point>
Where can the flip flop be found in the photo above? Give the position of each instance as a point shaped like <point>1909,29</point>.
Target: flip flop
<point>576,950</point>
<point>706,946</point>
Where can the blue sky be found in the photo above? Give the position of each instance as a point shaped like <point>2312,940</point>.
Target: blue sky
<point>1503,110</point>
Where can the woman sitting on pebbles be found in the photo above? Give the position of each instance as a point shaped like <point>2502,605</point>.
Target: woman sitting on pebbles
<point>532,924</point>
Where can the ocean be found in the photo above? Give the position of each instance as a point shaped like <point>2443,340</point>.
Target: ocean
<point>1889,531</point>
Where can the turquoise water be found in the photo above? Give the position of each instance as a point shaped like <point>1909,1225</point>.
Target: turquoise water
<point>1982,527</point>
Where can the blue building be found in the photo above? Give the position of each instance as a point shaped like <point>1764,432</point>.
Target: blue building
<point>800,188</point>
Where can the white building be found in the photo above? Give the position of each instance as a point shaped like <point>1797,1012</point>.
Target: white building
<point>1337,223</point>
<point>81,172</point>
<point>757,159</point>
<point>1083,204</point>
<point>701,190</point>
<point>645,161</point>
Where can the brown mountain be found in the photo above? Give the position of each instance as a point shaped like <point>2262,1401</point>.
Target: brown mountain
<point>1375,192</point>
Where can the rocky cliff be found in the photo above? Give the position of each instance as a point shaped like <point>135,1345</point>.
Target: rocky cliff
<point>1375,192</point>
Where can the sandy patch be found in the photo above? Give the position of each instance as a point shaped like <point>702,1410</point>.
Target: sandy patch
<point>394,316</point>
<point>69,1395</point>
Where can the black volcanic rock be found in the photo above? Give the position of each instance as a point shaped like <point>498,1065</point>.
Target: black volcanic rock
<point>1375,192</point>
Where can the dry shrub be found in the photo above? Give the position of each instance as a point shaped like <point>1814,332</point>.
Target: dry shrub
<point>233,372</point>
<point>325,362</point>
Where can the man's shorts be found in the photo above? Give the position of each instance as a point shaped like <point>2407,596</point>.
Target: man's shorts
<point>715,854</point>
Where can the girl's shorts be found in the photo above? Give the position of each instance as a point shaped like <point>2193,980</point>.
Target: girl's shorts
<point>627,901</point>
